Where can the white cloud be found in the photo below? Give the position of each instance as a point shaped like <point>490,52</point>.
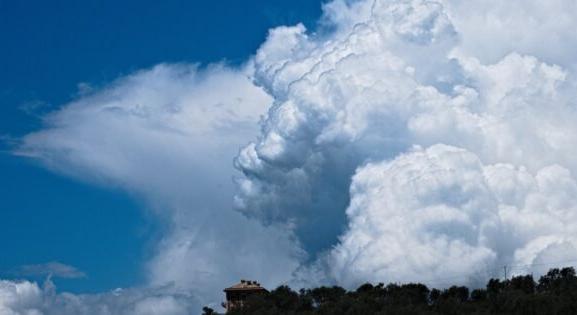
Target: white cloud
<point>159,306</point>
<point>398,74</point>
<point>19,298</point>
<point>437,213</point>
<point>425,214</point>
<point>490,30</point>
<point>169,135</point>
<point>27,298</point>
<point>53,269</point>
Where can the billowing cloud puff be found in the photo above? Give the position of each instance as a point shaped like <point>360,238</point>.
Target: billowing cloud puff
<point>27,298</point>
<point>19,298</point>
<point>337,158</point>
<point>429,212</point>
<point>437,212</point>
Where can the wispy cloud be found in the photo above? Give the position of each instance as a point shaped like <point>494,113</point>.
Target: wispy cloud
<point>169,135</point>
<point>53,269</point>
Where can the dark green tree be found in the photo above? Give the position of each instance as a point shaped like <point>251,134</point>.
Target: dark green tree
<point>554,294</point>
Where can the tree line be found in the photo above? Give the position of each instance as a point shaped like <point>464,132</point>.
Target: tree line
<point>554,293</point>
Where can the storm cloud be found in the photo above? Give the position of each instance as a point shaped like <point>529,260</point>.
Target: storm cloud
<point>401,153</point>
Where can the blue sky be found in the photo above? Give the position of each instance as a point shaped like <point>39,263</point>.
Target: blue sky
<point>51,47</point>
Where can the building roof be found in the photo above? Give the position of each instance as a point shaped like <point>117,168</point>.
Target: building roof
<point>246,285</point>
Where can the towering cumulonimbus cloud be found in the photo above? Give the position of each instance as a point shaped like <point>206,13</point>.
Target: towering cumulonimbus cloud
<point>398,151</point>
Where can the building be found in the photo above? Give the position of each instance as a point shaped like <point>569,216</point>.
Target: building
<point>238,293</point>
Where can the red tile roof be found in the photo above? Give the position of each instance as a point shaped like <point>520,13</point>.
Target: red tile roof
<point>245,285</point>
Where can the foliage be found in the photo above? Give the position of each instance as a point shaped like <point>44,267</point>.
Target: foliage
<point>554,293</point>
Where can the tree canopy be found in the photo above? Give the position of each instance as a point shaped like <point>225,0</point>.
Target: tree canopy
<point>554,293</point>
